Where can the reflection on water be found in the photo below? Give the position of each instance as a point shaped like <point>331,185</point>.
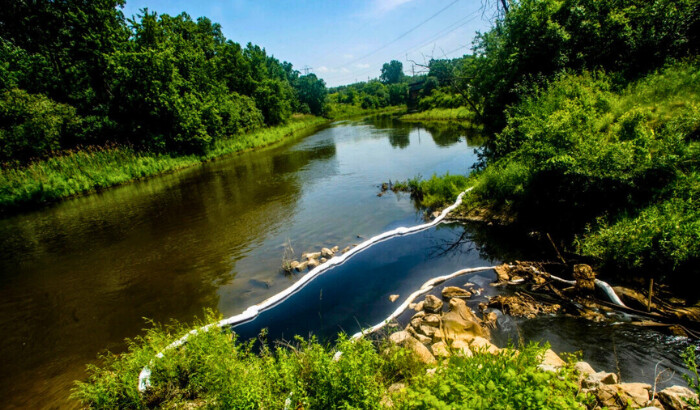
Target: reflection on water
<point>80,276</point>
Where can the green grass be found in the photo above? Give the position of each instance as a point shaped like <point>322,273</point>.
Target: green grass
<point>441,114</point>
<point>337,111</point>
<point>81,171</point>
<point>216,370</point>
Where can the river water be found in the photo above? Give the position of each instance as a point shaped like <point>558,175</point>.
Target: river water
<point>78,277</point>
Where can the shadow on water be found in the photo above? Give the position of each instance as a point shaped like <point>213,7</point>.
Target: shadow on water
<point>78,277</point>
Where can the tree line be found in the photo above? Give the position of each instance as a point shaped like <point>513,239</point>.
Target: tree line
<point>78,72</point>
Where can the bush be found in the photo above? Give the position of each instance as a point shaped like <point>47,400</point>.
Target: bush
<point>509,380</point>
<point>32,125</point>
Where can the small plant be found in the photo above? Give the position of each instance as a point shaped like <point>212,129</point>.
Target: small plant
<point>288,256</point>
<point>693,379</point>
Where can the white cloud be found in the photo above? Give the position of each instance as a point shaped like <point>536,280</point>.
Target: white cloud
<point>323,69</point>
<point>384,6</point>
<point>360,65</point>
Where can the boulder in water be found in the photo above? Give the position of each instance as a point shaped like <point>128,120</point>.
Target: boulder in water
<point>585,278</point>
<point>432,304</point>
<point>393,298</point>
<point>455,292</point>
<point>326,253</point>
<point>675,397</point>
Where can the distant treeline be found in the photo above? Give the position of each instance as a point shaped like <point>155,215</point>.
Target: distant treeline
<point>76,73</point>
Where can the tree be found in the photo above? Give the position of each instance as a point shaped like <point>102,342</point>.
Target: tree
<point>312,92</point>
<point>392,72</point>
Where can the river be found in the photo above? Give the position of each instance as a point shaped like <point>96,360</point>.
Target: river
<point>78,277</point>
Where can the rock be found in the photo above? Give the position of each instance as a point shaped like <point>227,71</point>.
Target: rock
<point>311,255</point>
<point>490,319</point>
<point>335,249</point>
<point>302,266</point>
<point>461,323</point>
<point>419,314</point>
<point>396,387</point>
<point>502,273</point>
<point>438,336</point>
<point>293,264</point>
<point>326,253</point>
<point>422,352</point>
<point>412,306</point>
<point>423,339</point>
<point>454,292</point>
<point>312,263</point>
<point>323,260</point>
<point>345,249</point>
<point>481,344</point>
<point>419,306</point>
<point>393,298</point>
<point>435,214</point>
<point>439,349</point>
<point>636,394</point>
<point>432,304</point>
<point>585,278</point>
<point>399,337</point>
<point>431,320</point>
<point>427,330</point>
<point>621,396</point>
<point>522,305</point>
<point>607,397</point>
<point>583,368</point>
<point>596,379</point>
<point>551,361</point>
<point>673,397</point>
<point>461,347</point>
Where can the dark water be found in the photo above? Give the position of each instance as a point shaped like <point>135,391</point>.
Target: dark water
<point>80,276</point>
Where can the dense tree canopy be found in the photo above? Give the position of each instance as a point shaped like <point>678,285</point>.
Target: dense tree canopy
<point>77,72</point>
<point>392,72</point>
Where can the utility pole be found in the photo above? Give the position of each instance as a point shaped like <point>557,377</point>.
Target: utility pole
<point>306,69</point>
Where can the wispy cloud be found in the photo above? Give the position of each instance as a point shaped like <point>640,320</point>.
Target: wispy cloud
<point>360,65</point>
<point>385,6</point>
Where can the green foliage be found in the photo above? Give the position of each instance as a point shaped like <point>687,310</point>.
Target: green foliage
<point>510,380</point>
<point>311,92</point>
<point>617,167</point>
<point>80,171</point>
<point>32,125</point>
<point>693,379</point>
<point>215,369</point>
<point>441,114</point>
<point>537,39</point>
<point>436,191</point>
<point>155,82</point>
<point>392,72</point>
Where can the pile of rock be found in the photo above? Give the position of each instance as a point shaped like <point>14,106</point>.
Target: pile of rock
<point>433,331</point>
<point>311,260</point>
<point>447,326</point>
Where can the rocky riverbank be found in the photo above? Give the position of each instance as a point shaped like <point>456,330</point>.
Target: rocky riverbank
<point>446,326</point>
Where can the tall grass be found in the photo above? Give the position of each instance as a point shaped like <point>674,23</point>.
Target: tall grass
<point>338,111</point>
<point>441,114</point>
<point>80,171</point>
<point>216,370</point>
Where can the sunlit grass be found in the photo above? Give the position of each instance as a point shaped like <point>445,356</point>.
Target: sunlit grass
<point>441,114</point>
<point>80,171</point>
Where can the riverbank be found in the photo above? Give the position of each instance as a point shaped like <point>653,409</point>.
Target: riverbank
<point>441,114</point>
<point>443,357</point>
<point>338,111</point>
<point>80,172</point>
<point>611,174</point>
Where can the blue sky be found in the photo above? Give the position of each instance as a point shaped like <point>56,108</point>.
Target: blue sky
<point>342,41</point>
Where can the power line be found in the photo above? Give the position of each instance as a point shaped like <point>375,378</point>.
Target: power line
<point>402,35</point>
<point>440,34</point>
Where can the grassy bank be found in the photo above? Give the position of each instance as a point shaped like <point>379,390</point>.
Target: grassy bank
<point>214,369</point>
<point>612,172</point>
<point>337,111</point>
<point>81,171</point>
<point>441,114</point>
